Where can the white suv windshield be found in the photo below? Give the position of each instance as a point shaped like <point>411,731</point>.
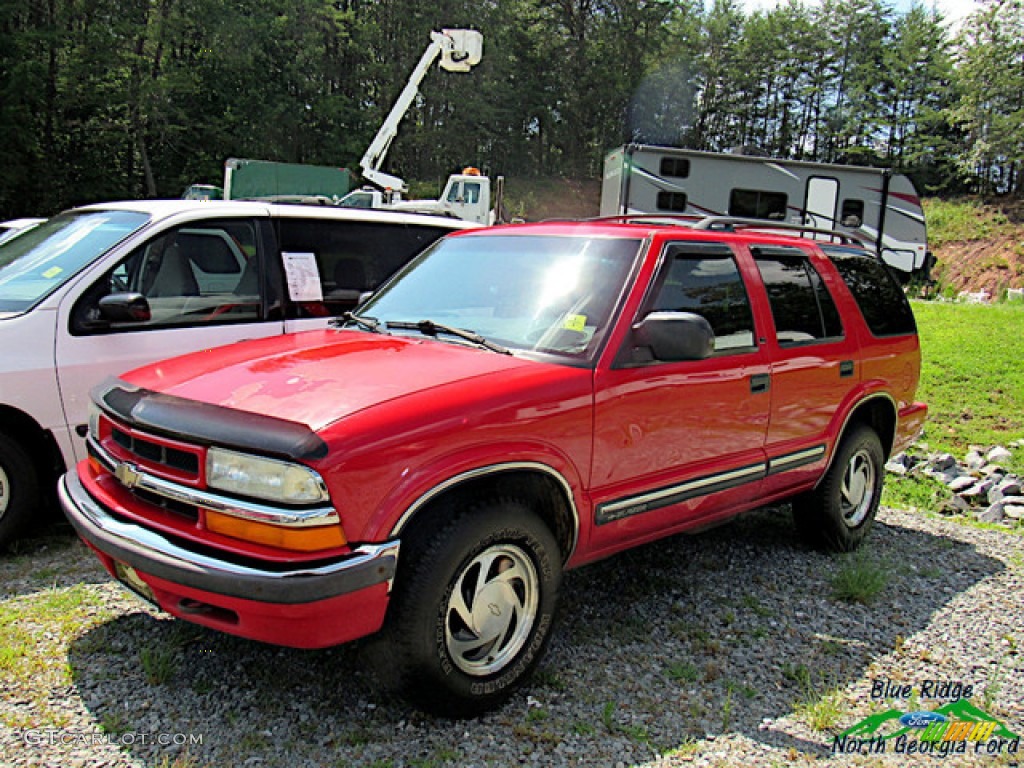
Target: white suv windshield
<point>37,262</point>
<point>550,294</point>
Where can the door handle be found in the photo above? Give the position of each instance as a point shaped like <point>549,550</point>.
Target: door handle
<point>759,383</point>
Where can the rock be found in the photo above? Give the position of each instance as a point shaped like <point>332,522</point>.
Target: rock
<point>993,514</point>
<point>1014,511</point>
<point>944,461</point>
<point>974,461</point>
<point>997,454</point>
<point>896,467</point>
<point>1009,487</point>
<point>961,483</point>
<point>980,489</point>
<point>954,506</point>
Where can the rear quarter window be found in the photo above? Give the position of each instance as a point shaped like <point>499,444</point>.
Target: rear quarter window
<point>881,300</point>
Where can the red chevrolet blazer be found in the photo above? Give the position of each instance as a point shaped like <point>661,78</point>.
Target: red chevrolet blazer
<point>517,401</point>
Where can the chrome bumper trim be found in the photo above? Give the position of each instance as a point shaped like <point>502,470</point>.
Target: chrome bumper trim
<point>153,553</point>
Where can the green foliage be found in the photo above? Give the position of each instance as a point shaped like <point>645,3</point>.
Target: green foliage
<point>131,98</point>
<point>963,220</point>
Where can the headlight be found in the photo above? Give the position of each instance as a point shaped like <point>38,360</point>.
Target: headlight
<point>261,478</point>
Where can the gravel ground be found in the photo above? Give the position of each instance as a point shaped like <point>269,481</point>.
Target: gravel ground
<point>727,648</point>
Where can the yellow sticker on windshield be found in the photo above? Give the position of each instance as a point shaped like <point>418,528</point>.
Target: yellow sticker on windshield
<point>52,272</point>
<point>575,323</point>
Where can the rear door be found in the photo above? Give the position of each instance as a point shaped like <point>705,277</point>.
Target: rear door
<point>814,369</point>
<point>204,283</point>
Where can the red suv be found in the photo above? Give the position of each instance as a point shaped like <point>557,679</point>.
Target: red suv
<point>517,401</point>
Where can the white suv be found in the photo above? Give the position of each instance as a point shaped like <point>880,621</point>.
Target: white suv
<point>104,288</point>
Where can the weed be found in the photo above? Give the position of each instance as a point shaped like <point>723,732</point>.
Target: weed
<point>859,580</point>
<point>537,715</point>
<point>158,663</point>
<point>821,712</point>
<point>608,716</point>
<point>684,671</point>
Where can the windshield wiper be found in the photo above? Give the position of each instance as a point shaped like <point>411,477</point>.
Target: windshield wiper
<point>430,328</point>
<point>371,324</point>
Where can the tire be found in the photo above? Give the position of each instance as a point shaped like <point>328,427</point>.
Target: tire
<point>839,513</point>
<point>472,608</point>
<point>19,490</point>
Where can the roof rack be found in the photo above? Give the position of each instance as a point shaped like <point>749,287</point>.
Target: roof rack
<point>734,223</point>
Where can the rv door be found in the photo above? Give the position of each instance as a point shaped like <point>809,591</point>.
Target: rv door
<point>820,204</point>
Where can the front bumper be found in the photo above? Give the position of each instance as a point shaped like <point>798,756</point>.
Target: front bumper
<point>307,607</point>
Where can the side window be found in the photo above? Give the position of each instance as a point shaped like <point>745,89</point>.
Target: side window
<point>203,273</point>
<point>707,282</point>
<point>802,307</point>
<point>675,166</point>
<point>758,204</point>
<point>672,201</point>
<point>352,257</point>
<point>882,303</point>
<point>852,209</point>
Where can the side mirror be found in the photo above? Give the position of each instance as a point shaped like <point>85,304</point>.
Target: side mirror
<point>124,308</point>
<point>675,336</point>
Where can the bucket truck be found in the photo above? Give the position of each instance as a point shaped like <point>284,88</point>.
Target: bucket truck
<point>467,195</point>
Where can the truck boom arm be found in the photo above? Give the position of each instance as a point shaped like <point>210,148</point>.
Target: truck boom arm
<point>460,50</point>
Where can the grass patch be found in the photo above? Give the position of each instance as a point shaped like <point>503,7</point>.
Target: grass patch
<point>914,492</point>
<point>973,382</point>
<point>971,376</point>
<point>859,579</point>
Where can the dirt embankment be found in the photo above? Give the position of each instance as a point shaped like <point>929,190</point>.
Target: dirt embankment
<point>993,263</point>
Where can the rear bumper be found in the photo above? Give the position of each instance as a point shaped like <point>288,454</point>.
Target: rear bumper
<point>307,607</point>
<point>910,423</point>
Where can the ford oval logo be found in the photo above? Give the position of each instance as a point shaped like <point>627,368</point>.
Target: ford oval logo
<point>922,719</point>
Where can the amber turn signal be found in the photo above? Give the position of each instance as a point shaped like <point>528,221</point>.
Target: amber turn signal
<point>310,539</point>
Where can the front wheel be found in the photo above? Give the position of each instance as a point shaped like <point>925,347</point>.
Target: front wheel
<point>472,608</point>
<point>838,513</point>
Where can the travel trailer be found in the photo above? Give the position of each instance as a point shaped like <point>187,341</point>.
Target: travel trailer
<point>880,206</point>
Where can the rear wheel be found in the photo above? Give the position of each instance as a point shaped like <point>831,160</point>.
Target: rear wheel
<point>19,490</point>
<point>472,609</point>
<point>839,513</point>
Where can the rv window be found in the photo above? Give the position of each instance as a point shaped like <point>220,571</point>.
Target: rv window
<point>802,307</point>
<point>758,204</point>
<point>672,201</point>
<point>675,166</point>
<point>708,284</point>
<point>882,302</point>
<point>852,209</point>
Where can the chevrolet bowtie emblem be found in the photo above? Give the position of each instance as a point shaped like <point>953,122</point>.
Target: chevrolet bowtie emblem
<point>127,474</point>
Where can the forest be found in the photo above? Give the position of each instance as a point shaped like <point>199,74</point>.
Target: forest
<point>113,99</point>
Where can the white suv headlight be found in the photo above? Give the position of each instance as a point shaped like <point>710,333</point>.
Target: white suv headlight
<point>262,478</point>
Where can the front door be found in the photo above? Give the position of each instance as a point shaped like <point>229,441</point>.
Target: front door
<point>675,442</point>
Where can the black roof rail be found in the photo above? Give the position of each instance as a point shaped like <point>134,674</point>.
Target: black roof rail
<point>684,219</point>
<point>732,223</point>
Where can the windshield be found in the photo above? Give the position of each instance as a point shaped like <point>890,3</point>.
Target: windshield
<point>551,294</point>
<point>37,262</point>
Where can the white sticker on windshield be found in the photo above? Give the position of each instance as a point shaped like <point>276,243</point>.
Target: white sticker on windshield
<point>303,277</point>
